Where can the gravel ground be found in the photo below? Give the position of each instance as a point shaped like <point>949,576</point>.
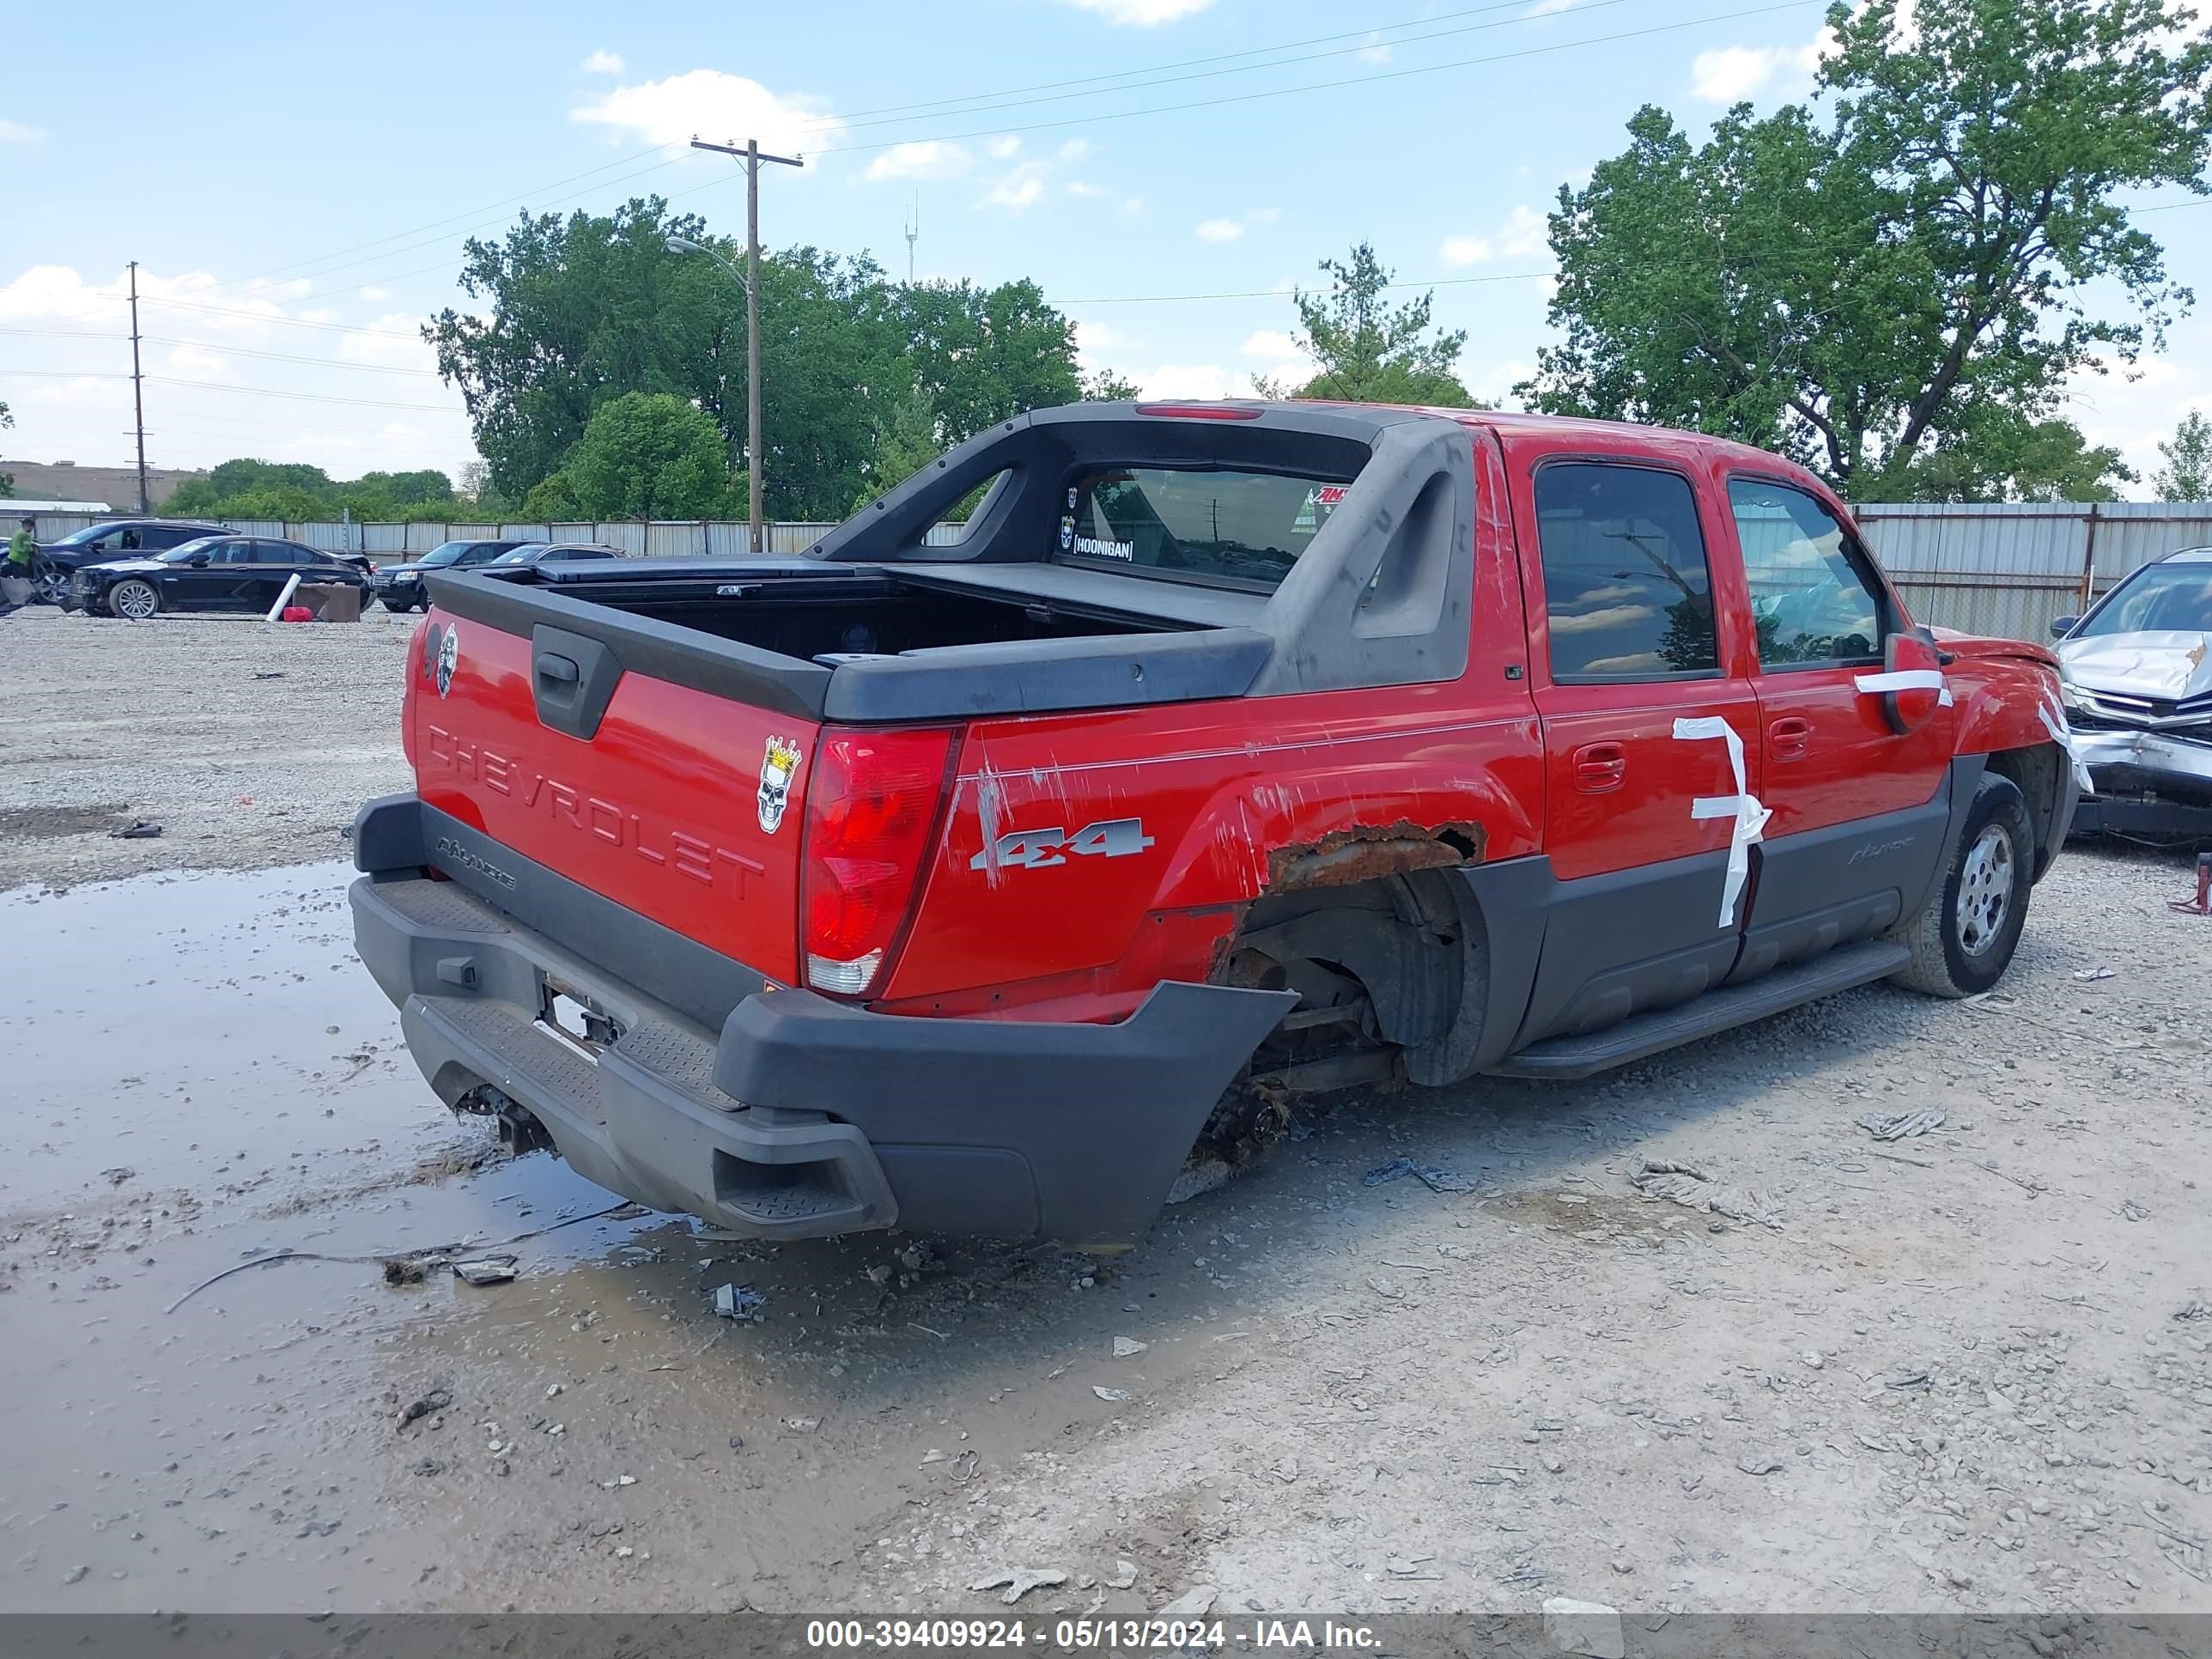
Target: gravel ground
<point>1967,1371</point>
<point>250,743</point>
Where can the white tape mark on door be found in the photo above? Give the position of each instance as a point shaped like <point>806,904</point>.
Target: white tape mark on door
<point>1748,817</point>
<point>1909,679</point>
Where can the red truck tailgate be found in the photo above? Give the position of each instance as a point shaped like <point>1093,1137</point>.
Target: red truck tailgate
<point>683,805</point>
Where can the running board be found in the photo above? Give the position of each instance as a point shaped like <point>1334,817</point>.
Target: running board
<point>1562,1059</point>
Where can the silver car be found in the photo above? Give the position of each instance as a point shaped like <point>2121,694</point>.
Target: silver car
<point>2136,672</point>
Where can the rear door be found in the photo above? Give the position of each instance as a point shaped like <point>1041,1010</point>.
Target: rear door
<point>1650,738</point>
<point>1859,808</point>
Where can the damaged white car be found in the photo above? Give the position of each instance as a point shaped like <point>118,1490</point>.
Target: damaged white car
<point>2136,672</point>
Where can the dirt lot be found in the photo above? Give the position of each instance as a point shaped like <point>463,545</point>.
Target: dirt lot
<point>1967,1370</point>
<point>249,744</point>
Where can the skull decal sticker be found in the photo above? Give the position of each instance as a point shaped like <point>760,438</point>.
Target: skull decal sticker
<point>779,765</point>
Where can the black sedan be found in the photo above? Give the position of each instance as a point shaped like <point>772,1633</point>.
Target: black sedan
<point>58,560</point>
<point>216,573</point>
<point>400,586</point>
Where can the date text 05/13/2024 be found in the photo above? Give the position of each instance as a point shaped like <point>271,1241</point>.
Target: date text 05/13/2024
<point>1086,1635</point>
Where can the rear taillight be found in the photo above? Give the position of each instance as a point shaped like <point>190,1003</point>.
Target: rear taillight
<point>872,807</point>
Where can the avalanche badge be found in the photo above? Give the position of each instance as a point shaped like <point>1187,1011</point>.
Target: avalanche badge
<point>449,655</point>
<point>779,764</point>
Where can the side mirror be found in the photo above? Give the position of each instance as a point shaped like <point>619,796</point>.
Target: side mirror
<point>198,562</point>
<point>2062,626</point>
<point>1913,667</point>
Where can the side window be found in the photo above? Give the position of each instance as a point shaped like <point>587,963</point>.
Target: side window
<point>238,553</point>
<point>129,539</point>
<point>1625,581</point>
<point>1811,601</point>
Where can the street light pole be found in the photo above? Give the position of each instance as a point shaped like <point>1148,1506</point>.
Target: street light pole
<point>755,461</point>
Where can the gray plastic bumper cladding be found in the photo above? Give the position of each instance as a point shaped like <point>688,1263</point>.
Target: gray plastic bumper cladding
<point>804,1117</point>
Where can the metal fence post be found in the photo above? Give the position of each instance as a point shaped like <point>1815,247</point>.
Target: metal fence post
<point>2089,556</point>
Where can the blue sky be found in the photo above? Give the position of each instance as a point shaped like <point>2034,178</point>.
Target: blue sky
<point>296,181</point>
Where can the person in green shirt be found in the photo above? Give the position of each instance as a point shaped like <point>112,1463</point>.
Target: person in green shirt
<point>22,548</point>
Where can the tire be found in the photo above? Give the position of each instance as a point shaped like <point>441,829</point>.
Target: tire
<point>50,587</point>
<point>1963,938</point>
<point>134,600</point>
<point>396,608</point>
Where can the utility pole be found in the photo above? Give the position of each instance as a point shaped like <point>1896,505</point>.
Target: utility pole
<point>138,391</point>
<point>755,461</point>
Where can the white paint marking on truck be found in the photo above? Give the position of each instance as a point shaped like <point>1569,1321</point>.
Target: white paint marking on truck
<point>1747,817</point>
<point>2053,713</point>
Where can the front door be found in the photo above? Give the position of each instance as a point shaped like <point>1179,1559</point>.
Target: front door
<point>1860,807</point>
<point>1643,781</point>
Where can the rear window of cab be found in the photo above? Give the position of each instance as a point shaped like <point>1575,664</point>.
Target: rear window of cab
<point>1198,523</point>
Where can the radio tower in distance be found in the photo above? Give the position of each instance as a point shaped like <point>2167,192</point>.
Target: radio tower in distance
<point>913,231</point>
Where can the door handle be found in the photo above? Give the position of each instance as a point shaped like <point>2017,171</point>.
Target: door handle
<point>1599,768</point>
<point>1789,738</point>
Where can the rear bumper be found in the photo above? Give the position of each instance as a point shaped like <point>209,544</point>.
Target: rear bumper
<point>801,1117</point>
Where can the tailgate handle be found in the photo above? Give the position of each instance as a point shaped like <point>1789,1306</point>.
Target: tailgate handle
<point>573,679</point>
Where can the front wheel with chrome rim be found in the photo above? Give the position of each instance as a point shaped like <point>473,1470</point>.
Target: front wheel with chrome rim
<point>52,584</point>
<point>1964,935</point>
<point>134,600</point>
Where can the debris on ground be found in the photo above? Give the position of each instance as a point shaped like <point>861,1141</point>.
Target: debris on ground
<point>1195,1603</point>
<point>2193,1309</point>
<point>140,830</point>
<point>740,1302</point>
<point>403,1270</point>
<point>1692,1188</point>
<point>1124,1346</point>
<point>1018,1581</point>
<point>1111,1396</point>
<point>119,1174</point>
<point>437,1401</point>
<point>1589,1628</point>
<point>1200,1175</point>
<point>1123,1576</point>
<point>486,1269</point>
<point>1900,1125</point>
<point>2094,973</point>
<point>1434,1177</point>
<point>1758,1463</point>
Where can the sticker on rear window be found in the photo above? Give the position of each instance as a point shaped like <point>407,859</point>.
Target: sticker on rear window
<point>1096,547</point>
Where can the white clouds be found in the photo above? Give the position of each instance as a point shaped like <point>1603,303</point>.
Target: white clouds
<point>1190,380</point>
<point>198,363</point>
<point>1092,340</point>
<point>1548,7</point>
<point>1376,51</point>
<point>1726,75</point>
<point>1140,14</point>
<point>1018,189</point>
<point>396,344</point>
<point>1078,187</point>
<point>1228,230</point>
<point>375,295</point>
<point>1525,232</point>
<point>602,63</point>
<point>1268,342</point>
<point>713,105</point>
<point>927,158</point>
<point>15,132</point>
<point>1023,186</point>
<point>1523,235</point>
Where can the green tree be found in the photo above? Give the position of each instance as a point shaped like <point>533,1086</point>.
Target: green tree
<point>589,308</point>
<point>2187,474</point>
<point>1108,385</point>
<point>908,442</point>
<point>552,499</point>
<point>1886,289</point>
<point>7,479</point>
<point>1370,351</point>
<point>649,455</point>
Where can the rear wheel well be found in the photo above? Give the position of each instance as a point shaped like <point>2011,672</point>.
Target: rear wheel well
<point>2036,772</point>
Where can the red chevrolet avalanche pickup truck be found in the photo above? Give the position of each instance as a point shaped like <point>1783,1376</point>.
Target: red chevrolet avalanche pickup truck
<point>1231,749</point>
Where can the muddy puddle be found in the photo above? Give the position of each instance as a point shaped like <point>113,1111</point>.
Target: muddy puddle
<point>202,1077</point>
